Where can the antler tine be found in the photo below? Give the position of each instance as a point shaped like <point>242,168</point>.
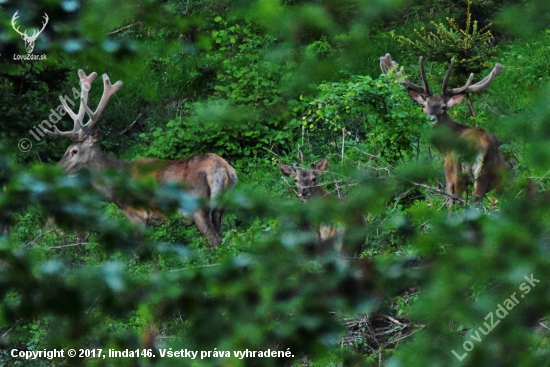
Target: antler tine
<point>13,19</point>
<point>77,127</point>
<point>35,33</point>
<point>453,91</point>
<point>108,90</point>
<point>448,75</point>
<point>386,64</point>
<point>80,130</point>
<point>85,86</point>
<point>484,83</point>
<point>46,19</point>
<point>427,90</point>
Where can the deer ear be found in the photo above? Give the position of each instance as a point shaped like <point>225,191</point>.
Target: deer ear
<point>321,166</point>
<point>456,99</point>
<point>287,170</point>
<point>93,136</point>
<point>416,97</point>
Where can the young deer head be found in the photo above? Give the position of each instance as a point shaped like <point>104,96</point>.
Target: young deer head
<point>306,179</point>
<point>488,162</point>
<point>327,235</point>
<point>205,175</point>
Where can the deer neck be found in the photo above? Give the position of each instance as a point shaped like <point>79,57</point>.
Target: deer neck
<point>101,160</point>
<point>444,120</point>
<point>318,191</point>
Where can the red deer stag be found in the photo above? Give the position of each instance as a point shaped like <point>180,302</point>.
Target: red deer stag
<point>488,163</point>
<point>205,175</point>
<point>308,187</point>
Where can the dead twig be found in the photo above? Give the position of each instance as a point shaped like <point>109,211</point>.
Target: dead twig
<point>439,192</point>
<point>195,267</point>
<point>92,306</point>
<point>80,243</point>
<point>33,242</point>
<point>11,328</point>
<point>132,124</point>
<point>290,187</point>
<point>122,29</point>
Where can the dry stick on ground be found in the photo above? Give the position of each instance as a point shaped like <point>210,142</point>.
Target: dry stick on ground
<point>377,332</point>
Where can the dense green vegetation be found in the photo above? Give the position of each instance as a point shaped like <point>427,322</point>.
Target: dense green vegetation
<point>259,82</point>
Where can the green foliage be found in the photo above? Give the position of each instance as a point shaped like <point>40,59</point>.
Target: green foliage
<point>248,109</point>
<point>372,115</point>
<point>471,47</point>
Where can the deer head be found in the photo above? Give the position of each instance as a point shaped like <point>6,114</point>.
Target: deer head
<point>81,153</point>
<point>435,107</point>
<point>306,179</point>
<point>29,40</point>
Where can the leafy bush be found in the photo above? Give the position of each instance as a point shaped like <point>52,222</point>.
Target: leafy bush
<point>373,115</point>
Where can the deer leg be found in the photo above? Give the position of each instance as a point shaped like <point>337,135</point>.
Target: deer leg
<point>203,221</point>
<point>135,216</point>
<point>481,179</point>
<point>450,178</point>
<point>217,215</point>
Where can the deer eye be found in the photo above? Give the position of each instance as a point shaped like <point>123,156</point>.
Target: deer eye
<point>74,151</point>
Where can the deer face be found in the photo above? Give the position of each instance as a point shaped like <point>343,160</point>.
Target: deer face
<point>80,155</point>
<point>435,107</point>
<point>306,179</point>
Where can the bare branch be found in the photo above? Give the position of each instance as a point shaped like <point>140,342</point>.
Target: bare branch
<point>439,192</point>
<point>81,243</point>
<point>133,123</point>
<point>33,242</point>
<point>122,29</point>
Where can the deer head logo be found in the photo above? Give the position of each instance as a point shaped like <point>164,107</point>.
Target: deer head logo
<point>29,40</point>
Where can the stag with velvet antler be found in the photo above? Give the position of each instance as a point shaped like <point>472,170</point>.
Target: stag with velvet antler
<point>205,175</point>
<point>29,40</point>
<point>468,151</point>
